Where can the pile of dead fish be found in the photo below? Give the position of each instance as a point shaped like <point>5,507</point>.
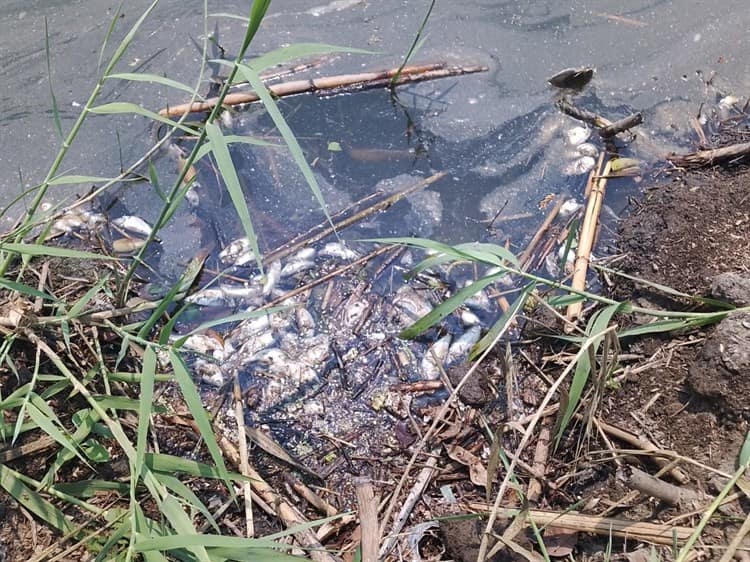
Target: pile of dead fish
<point>334,343</point>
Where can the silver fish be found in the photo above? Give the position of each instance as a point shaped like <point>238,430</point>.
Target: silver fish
<point>460,348</point>
<point>568,208</point>
<point>210,373</point>
<point>468,318</point>
<point>413,305</point>
<point>273,274</point>
<point>577,135</point>
<point>133,224</point>
<point>237,253</point>
<point>296,267</point>
<point>438,351</point>
<point>304,320</point>
<point>339,251</point>
<point>587,149</point>
<point>580,166</point>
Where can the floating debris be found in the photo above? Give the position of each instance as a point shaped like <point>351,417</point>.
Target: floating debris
<point>572,78</point>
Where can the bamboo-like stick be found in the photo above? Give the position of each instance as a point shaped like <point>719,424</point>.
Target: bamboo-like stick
<point>289,247</point>
<point>368,518</point>
<point>586,241</point>
<point>606,526</point>
<point>239,414</point>
<point>364,80</point>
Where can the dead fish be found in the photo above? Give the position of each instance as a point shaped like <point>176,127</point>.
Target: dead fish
<point>438,351</point>
<point>272,276</point>
<point>304,320</point>
<point>305,254</point>
<point>66,225</point>
<point>127,245</point>
<point>460,348</point>
<point>355,312</point>
<point>133,224</point>
<point>413,305</point>
<point>237,253</point>
<point>582,165</point>
<point>568,208</point>
<point>338,250</point>
<point>381,154</point>
<point>479,300</point>
<point>210,373</point>
<point>224,295</point>
<point>206,344</point>
<point>468,318</point>
<point>577,135</point>
<point>296,267</point>
<point>572,78</point>
<point>587,149</point>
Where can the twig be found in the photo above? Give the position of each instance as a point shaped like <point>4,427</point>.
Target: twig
<point>289,515</point>
<point>606,526</point>
<point>703,158</point>
<point>484,545</point>
<point>411,500</point>
<point>646,446</point>
<point>657,488</point>
<point>239,413</point>
<point>539,466</point>
<point>621,125</point>
<point>586,242</point>
<point>736,541</point>
<point>290,248</point>
<point>364,80</point>
<point>368,518</point>
<point>525,258</point>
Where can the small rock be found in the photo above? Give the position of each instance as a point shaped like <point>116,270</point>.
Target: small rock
<point>733,288</point>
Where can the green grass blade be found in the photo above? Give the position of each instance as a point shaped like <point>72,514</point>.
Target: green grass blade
<point>502,323</point>
<point>231,139</point>
<point>188,495</point>
<point>186,540</point>
<point>151,78</point>
<point>193,401</point>
<point>669,325</point>
<point>120,107</point>
<point>87,419</point>
<point>597,324</point>
<point>81,303</point>
<point>47,424</point>
<point>33,501</point>
<point>91,488</point>
<point>55,108</point>
<point>38,250</point>
<point>25,290</point>
<point>294,148</point>
<point>69,179</point>
<point>416,44</point>
<point>170,464</point>
<point>232,181</point>
<point>446,307</point>
<point>144,410</point>
<point>745,451</point>
<point>181,523</point>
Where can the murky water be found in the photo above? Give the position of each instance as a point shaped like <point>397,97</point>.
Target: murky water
<point>495,133</point>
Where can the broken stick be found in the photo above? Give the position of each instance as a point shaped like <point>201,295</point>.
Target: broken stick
<point>364,80</point>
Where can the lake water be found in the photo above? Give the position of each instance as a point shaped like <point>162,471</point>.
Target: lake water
<point>497,134</point>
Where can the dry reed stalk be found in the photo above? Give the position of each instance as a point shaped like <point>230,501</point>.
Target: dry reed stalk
<point>368,519</point>
<point>606,526</point>
<point>586,241</point>
<point>363,80</point>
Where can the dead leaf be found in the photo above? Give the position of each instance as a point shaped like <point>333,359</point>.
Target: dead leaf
<point>560,542</point>
<point>477,472</point>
